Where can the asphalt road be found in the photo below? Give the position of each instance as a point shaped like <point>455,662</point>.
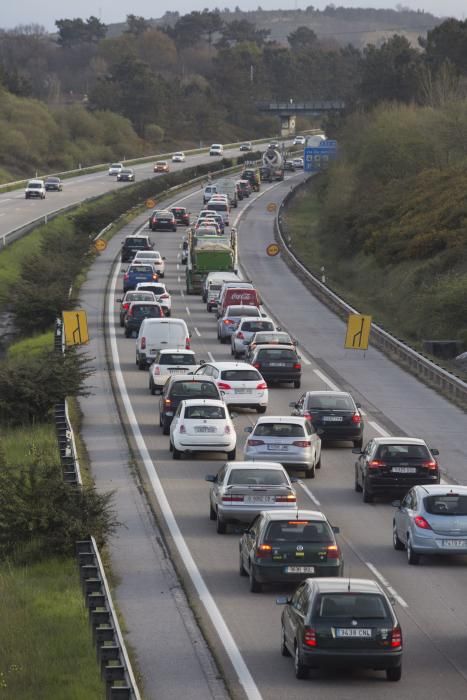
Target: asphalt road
<point>432,605</point>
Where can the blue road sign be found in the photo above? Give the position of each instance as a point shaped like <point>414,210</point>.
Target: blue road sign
<point>328,143</point>
<point>318,158</point>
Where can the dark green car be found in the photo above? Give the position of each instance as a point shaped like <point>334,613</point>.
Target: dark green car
<point>279,548</point>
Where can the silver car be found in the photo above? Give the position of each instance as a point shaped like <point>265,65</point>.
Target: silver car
<point>240,491</point>
<point>227,323</point>
<point>431,519</point>
<point>246,329</point>
<point>290,440</point>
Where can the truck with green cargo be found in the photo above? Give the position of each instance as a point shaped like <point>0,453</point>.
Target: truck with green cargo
<point>208,253</point>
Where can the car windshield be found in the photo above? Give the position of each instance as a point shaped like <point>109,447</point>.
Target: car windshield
<point>168,358</point>
<point>446,504</point>
<point>191,389</point>
<point>280,430</point>
<point>127,172</point>
<point>148,255</point>
<point>299,531</point>
<point>267,477</point>
<point>402,452</point>
<point>161,162</point>
<point>157,289</point>
<point>152,288</point>
<point>355,605</point>
<point>330,402</point>
<point>178,211</point>
<point>54,180</point>
<point>253,326</point>
<point>205,412</point>
<point>34,185</point>
<point>139,296</point>
<point>276,354</point>
<point>240,375</point>
<point>115,165</point>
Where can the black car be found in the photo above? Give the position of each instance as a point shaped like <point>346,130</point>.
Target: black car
<point>162,220</point>
<point>334,413</point>
<point>179,388</point>
<point>341,623</point>
<point>126,175</point>
<point>182,216</point>
<point>278,363</point>
<point>137,312</point>
<point>289,166</point>
<point>392,465</point>
<point>132,244</point>
<point>280,548</point>
<point>253,176</point>
<point>129,297</point>
<point>53,184</point>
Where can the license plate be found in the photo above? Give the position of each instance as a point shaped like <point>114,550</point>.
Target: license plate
<point>259,499</point>
<point>277,364</point>
<point>332,419</point>
<point>344,632</point>
<point>454,543</point>
<point>243,391</point>
<point>176,370</point>
<point>278,448</point>
<point>404,470</point>
<point>299,569</point>
<point>205,429</point>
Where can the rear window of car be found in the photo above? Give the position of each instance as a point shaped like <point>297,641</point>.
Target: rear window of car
<point>140,268</point>
<point>215,287</point>
<point>446,504</point>
<point>299,531</point>
<point>402,452</point>
<point>191,389</point>
<point>147,310</point>
<point>240,375</point>
<point>176,359</point>
<point>280,430</point>
<point>327,401</point>
<point>254,326</point>
<point>268,477</point>
<point>136,242</point>
<point>244,311</point>
<point>139,296</point>
<point>356,606</point>
<point>217,206</point>
<point>277,355</point>
<point>205,412</point>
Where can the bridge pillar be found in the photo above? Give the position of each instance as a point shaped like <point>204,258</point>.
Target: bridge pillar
<point>287,124</point>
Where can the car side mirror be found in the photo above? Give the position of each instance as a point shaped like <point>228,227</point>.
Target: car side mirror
<point>294,479</point>
<point>293,404</point>
<point>163,257</point>
<point>358,405</point>
<point>396,503</point>
<point>335,529</point>
<point>211,477</point>
<point>357,451</point>
<point>234,415</point>
<point>248,429</point>
<point>202,362</point>
<point>434,451</point>
<point>392,600</point>
<point>282,600</point>
<point>278,328</point>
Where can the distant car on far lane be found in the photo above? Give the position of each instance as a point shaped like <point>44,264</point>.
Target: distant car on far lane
<point>178,157</point>
<point>161,166</point>
<point>53,184</point>
<point>126,175</point>
<point>115,168</point>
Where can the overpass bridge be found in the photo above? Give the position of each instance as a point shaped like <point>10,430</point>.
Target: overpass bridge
<point>287,111</point>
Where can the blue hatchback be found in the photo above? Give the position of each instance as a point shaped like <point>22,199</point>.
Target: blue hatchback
<point>138,273</point>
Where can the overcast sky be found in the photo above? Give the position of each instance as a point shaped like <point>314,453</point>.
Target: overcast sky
<point>45,12</point>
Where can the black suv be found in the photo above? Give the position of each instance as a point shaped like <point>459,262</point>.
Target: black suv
<point>333,413</point>
<point>137,312</point>
<point>177,389</point>
<point>132,244</point>
<point>341,623</point>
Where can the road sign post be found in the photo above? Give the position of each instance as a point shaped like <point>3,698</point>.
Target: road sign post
<point>75,326</point>
<point>358,332</point>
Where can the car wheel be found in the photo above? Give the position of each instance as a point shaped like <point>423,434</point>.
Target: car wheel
<point>358,443</point>
<point>255,585</point>
<point>297,383</point>
<point>141,364</point>
<point>169,312</point>
<point>128,333</point>
<point>394,674</point>
<point>208,308</point>
<point>241,568</point>
<point>412,557</point>
<point>231,455</point>
<point>232,351</point>
<point>301,671</point>
<point>212,512</point>
<point>171,447</point>
<point>165,426</point>
<point>367,495</point>
<point>152,387</point>
<point>176,454</point>
<point>284,650</point>
<point>261,409</point>
<point>396,542</point>
<point>221,525</point>
<point>121,323</point>
<point>310,473</point>
<point>318,463</point>
<point>358,488</point>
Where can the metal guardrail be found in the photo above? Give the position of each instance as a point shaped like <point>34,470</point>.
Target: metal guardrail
<point>449,384</point>
<point>112,656</point>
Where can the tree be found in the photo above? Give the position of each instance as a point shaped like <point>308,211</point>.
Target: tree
<point>390,72</point>
<point>302,38</point>
<point>136,25</point>
<point>447,41</point>
<point>241,30</point>
<point>74,32</point>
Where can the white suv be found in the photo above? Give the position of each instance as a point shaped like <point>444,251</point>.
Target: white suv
<point>239,383</point>
<point>217,149</point>
<point>36,189</point>
<point>153,257</point>
<point>246,329</point>
<point>115,168</point>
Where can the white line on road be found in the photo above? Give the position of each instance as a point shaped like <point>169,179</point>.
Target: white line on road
<point>182,292</point>
<point>386,584</point>
<point>233,652</point>
<point>178,266</point>
<point>309,493</point>
<point>178,279</point>
<point>197,332</point>
<point>326,380</point>
<point>378,428</point>
<point>188,311</point>
<point>305,360</point>
<point>211,356</point>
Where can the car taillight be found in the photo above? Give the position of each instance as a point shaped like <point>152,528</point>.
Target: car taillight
<point>130,312</point>
<point>376,464</point>
<point>257,365</point>
<point>157,369</point>
<point>143,343</point>
<point>431,464</point>
<point>126,275</point>
<point>297,365</point>
<point>182,428</point>
<point>309,637</point>
<point>308,416</point>
<point>187,344</point>
<point>232,499</point>
<point>302,443</point>
<point>289,498</point>
<point>227,430</point>
<point>227,321</point>
<point>240,335</point>
<point>396,637</point>
<point>333,551</point>
<point>168,402</point>
<point>154,221</point>
<point>356,418</point>
<point>126,306</point>
<point>422,523</point>
<point>263,551</point>
<point>255,443</point>
<point>262,386</point>
<point>224,386</point>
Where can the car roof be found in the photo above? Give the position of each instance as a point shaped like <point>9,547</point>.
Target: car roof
<point>230,365</point>
<point>177,351</point>
<point>192,378</point>
<point>443,489</point>
<point>299,420</point>
<point>341,585</point>
<point>256,465</point>
<point>297,515</point>
<point>146,303</point>
<point>205,402</point>
<point>146,284</point>
<point>398,441</point>
<point>277,346</point>
<point>328,392</point>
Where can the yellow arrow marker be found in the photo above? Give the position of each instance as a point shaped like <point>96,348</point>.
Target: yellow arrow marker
<point>358,332</point>
<point>75,325</point>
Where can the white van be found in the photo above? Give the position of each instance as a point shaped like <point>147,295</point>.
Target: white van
<point>209,190</point>
<point>35,189</point>
<point>157,334</point>
<point>220,206</point>
<point>213,284</point>
<point>217,149</point>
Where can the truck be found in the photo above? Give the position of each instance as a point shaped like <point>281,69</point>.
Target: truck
<point>273,166</point>
<point>252,174</point>
<point>227,186</point>
<point>208,253</point>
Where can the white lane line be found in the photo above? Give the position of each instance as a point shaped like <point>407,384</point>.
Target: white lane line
<point>178,266</point>
<point>326,380</point>
<point>197,332</point>
<point>306,361</point>
<point>386,584</point>
<point>362,412</point>
<point>188,311</point>
<point>182,292</point>
<point>178,279</point>
<point>233,652</point>
<point>309,493</point>
<point>211,356</point>
<point>378,428</point>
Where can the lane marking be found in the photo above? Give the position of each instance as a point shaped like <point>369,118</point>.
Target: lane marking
<point>188,311</point>
<point>211,356</point>
<point>309,493</point>
<point>386,584</point>
<point>305,360</point>
<point>182,292</point>
<point>362,411</point>
<point>178,266</point>
<point>178,279</point>
<point>378,428</point>
<point>225,636</point>
<point>197,332</point>
<point>326,380</point>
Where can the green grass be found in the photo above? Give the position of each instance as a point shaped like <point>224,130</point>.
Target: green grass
<point>44,636</point>
<point>24,446</point>
<point>29,346</point>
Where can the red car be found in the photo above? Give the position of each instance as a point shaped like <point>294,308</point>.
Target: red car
<point>182,216</point>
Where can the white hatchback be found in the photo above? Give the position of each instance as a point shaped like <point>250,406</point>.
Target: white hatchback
<point>115,168</point>
<point>154,257</point>
<point>168,363</point>
<point>240,384</point>
<point>202,425</point>
<point>161,293</point>
<point>178,157</point>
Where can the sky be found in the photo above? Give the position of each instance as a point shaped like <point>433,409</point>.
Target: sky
<point>46,12</point>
